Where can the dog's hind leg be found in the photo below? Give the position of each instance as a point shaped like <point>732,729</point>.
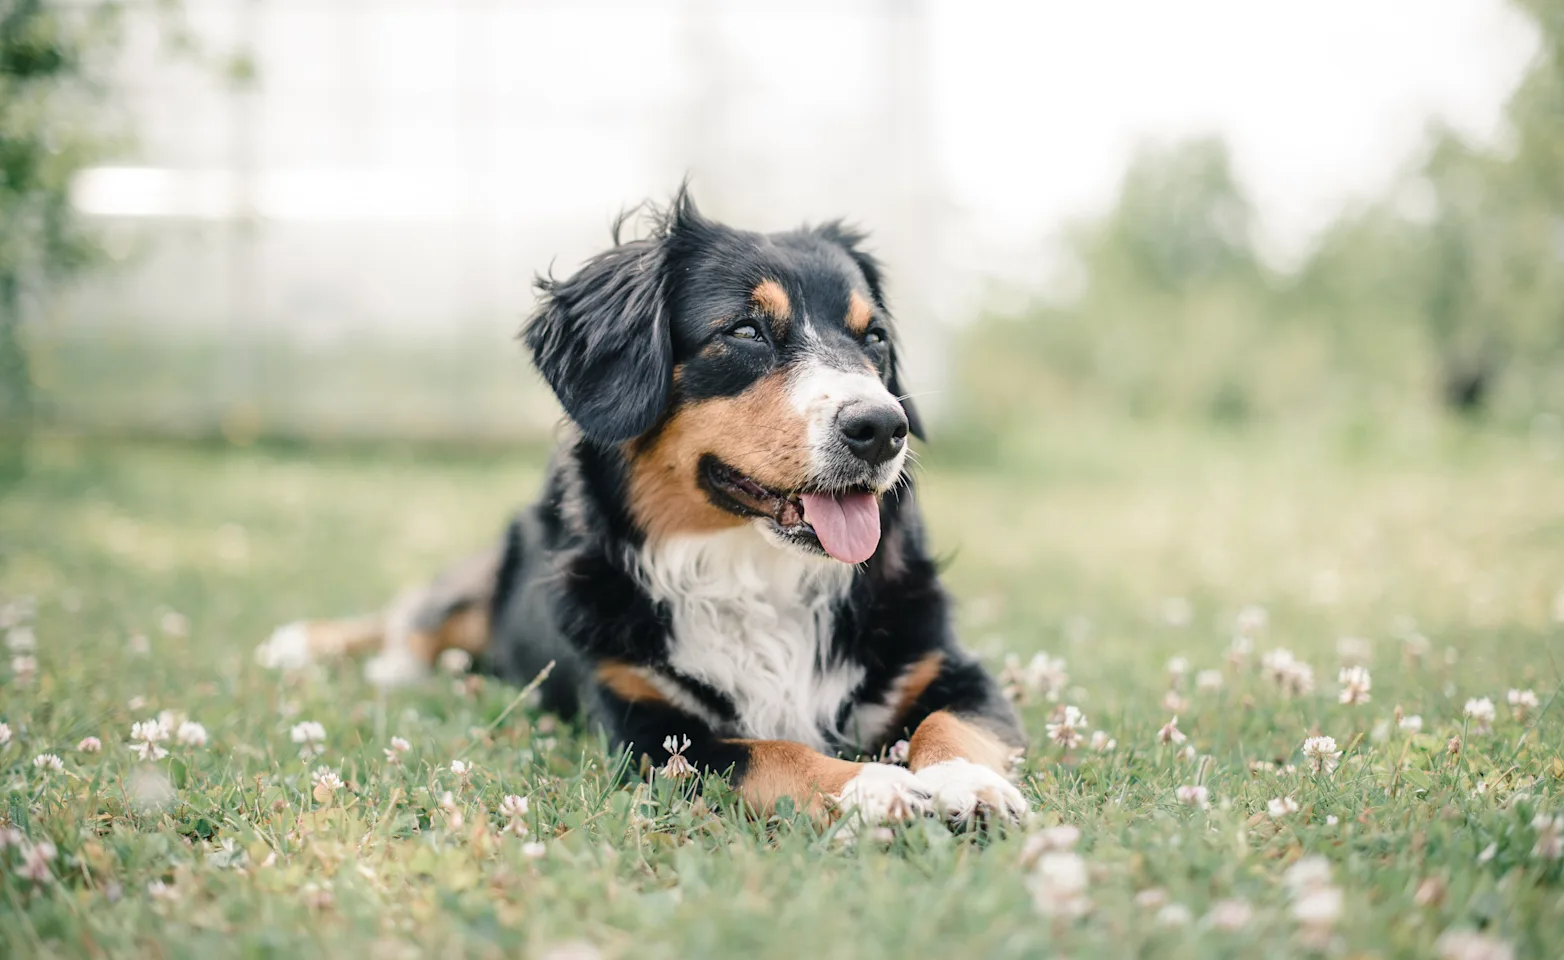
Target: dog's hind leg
<point>407,637</point>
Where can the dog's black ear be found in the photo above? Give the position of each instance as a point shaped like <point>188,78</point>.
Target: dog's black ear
<point>602,337</point>
<point>851,240</point>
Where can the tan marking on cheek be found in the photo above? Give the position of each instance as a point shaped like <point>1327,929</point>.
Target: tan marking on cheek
<point>859,313</point>
<point>757,433</point>
<point>780,768</point>
<point>773,301</point>
<point>628,683</point>
<point>945,736</point>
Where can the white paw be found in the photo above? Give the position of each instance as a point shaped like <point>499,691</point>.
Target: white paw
<point>394,668</point>
<point>962,790</point>
<point>881,793</point>
<point>288,648</point>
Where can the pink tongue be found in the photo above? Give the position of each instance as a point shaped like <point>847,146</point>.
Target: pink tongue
<point>847,524</point>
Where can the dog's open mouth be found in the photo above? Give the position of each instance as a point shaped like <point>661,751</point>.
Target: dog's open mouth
<point>845,524</point>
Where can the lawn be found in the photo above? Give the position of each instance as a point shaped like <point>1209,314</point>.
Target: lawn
<point>1434,558</point>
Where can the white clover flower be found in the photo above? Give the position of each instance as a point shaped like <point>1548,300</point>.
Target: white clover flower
<point>89,745</point>
<point>1354,651</point>
<point>1279,807</point>
<point>326,777</point>
<point>145,736</point>
<point>1178,668</point>
<point>1331,820</point>
<point>1177,611</point>
<point>1174,915</point>
<point>1230,915</point>
<point>1251,620</point>
<point>35,862</point>
<point>397,748</point>
<point>898,752</point>
<point>1066,730</point>
<point>311,738</point>
<point>533,850</point>
<point>1480,711</point>
<point>1058,885</point>
<point>1239,650</point>
<point>1208,681</point>
<point>1049,840</point>
<point>24,667</point>
<point>191,734</point>
<point>1412,723</point>
<point>462,769</point>
<point>1194,796</point>
<point>20,639</point>
<point>1318,907</point>
<point>1102,743</point>
<point>1151,898</point>
<point>1471,945</point>
<point>1522,703</point>
<point>5,735</point>
<point>1170,733</point>
<point>49,763</point>
<point>1308,873</point>
<point>1174,702</point>
<point>1550,837</point>
<point>1188,754</point>
<point>677,767</point>
<point>1355,685</point>
<point>1321,752</point>
<point>514,806</point>
<point>1276,663</point>
<point>1042,674</point>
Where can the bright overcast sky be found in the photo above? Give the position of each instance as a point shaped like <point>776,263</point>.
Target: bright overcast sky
<point>1321,101</point>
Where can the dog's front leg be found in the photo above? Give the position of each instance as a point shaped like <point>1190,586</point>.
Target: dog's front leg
<point>763,772</point>
<point>964,743</point>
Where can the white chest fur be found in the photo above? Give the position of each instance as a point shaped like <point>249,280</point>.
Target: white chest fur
<point>754,620</point>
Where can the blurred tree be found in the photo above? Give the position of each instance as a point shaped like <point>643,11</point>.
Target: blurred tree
<point>52,60</point>
<point>1493,291</point>
<point>1181,222</point>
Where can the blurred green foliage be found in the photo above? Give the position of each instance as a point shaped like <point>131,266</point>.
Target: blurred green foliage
<point>53,57</point>
<point>1447,291</point>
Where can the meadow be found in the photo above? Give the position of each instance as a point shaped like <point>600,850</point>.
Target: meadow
<point>1400,593</point>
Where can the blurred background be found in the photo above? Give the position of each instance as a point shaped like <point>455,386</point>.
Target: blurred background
<point>313,220</point>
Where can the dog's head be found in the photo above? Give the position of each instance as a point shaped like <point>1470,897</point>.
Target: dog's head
<point>747,378</point>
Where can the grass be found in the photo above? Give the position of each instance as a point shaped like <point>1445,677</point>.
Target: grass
<point>1072,543</point>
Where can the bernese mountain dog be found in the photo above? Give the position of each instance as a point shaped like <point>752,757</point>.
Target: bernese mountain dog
<point>727,549</point>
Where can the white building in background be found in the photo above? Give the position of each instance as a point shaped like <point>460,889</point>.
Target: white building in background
<point>400,169</point>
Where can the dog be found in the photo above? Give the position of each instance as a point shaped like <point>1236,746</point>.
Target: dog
<point>727,562</point>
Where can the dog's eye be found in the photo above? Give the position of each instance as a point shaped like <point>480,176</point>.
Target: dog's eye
<point>745,331</point>
<point>874,336</point>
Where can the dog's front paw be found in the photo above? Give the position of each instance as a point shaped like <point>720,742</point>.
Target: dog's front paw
<point>963,790</point>
<point>288,648</point>
<point>881,793</point>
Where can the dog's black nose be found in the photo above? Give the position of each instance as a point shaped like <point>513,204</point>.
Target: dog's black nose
<point>873,432</point>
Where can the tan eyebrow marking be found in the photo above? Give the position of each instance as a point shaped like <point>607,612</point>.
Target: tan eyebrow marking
<point>859,313</point>
<point>773,302</point>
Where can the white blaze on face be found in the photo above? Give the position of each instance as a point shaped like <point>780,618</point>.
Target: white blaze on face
<point>844,516</point>
<point>819,391</point>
